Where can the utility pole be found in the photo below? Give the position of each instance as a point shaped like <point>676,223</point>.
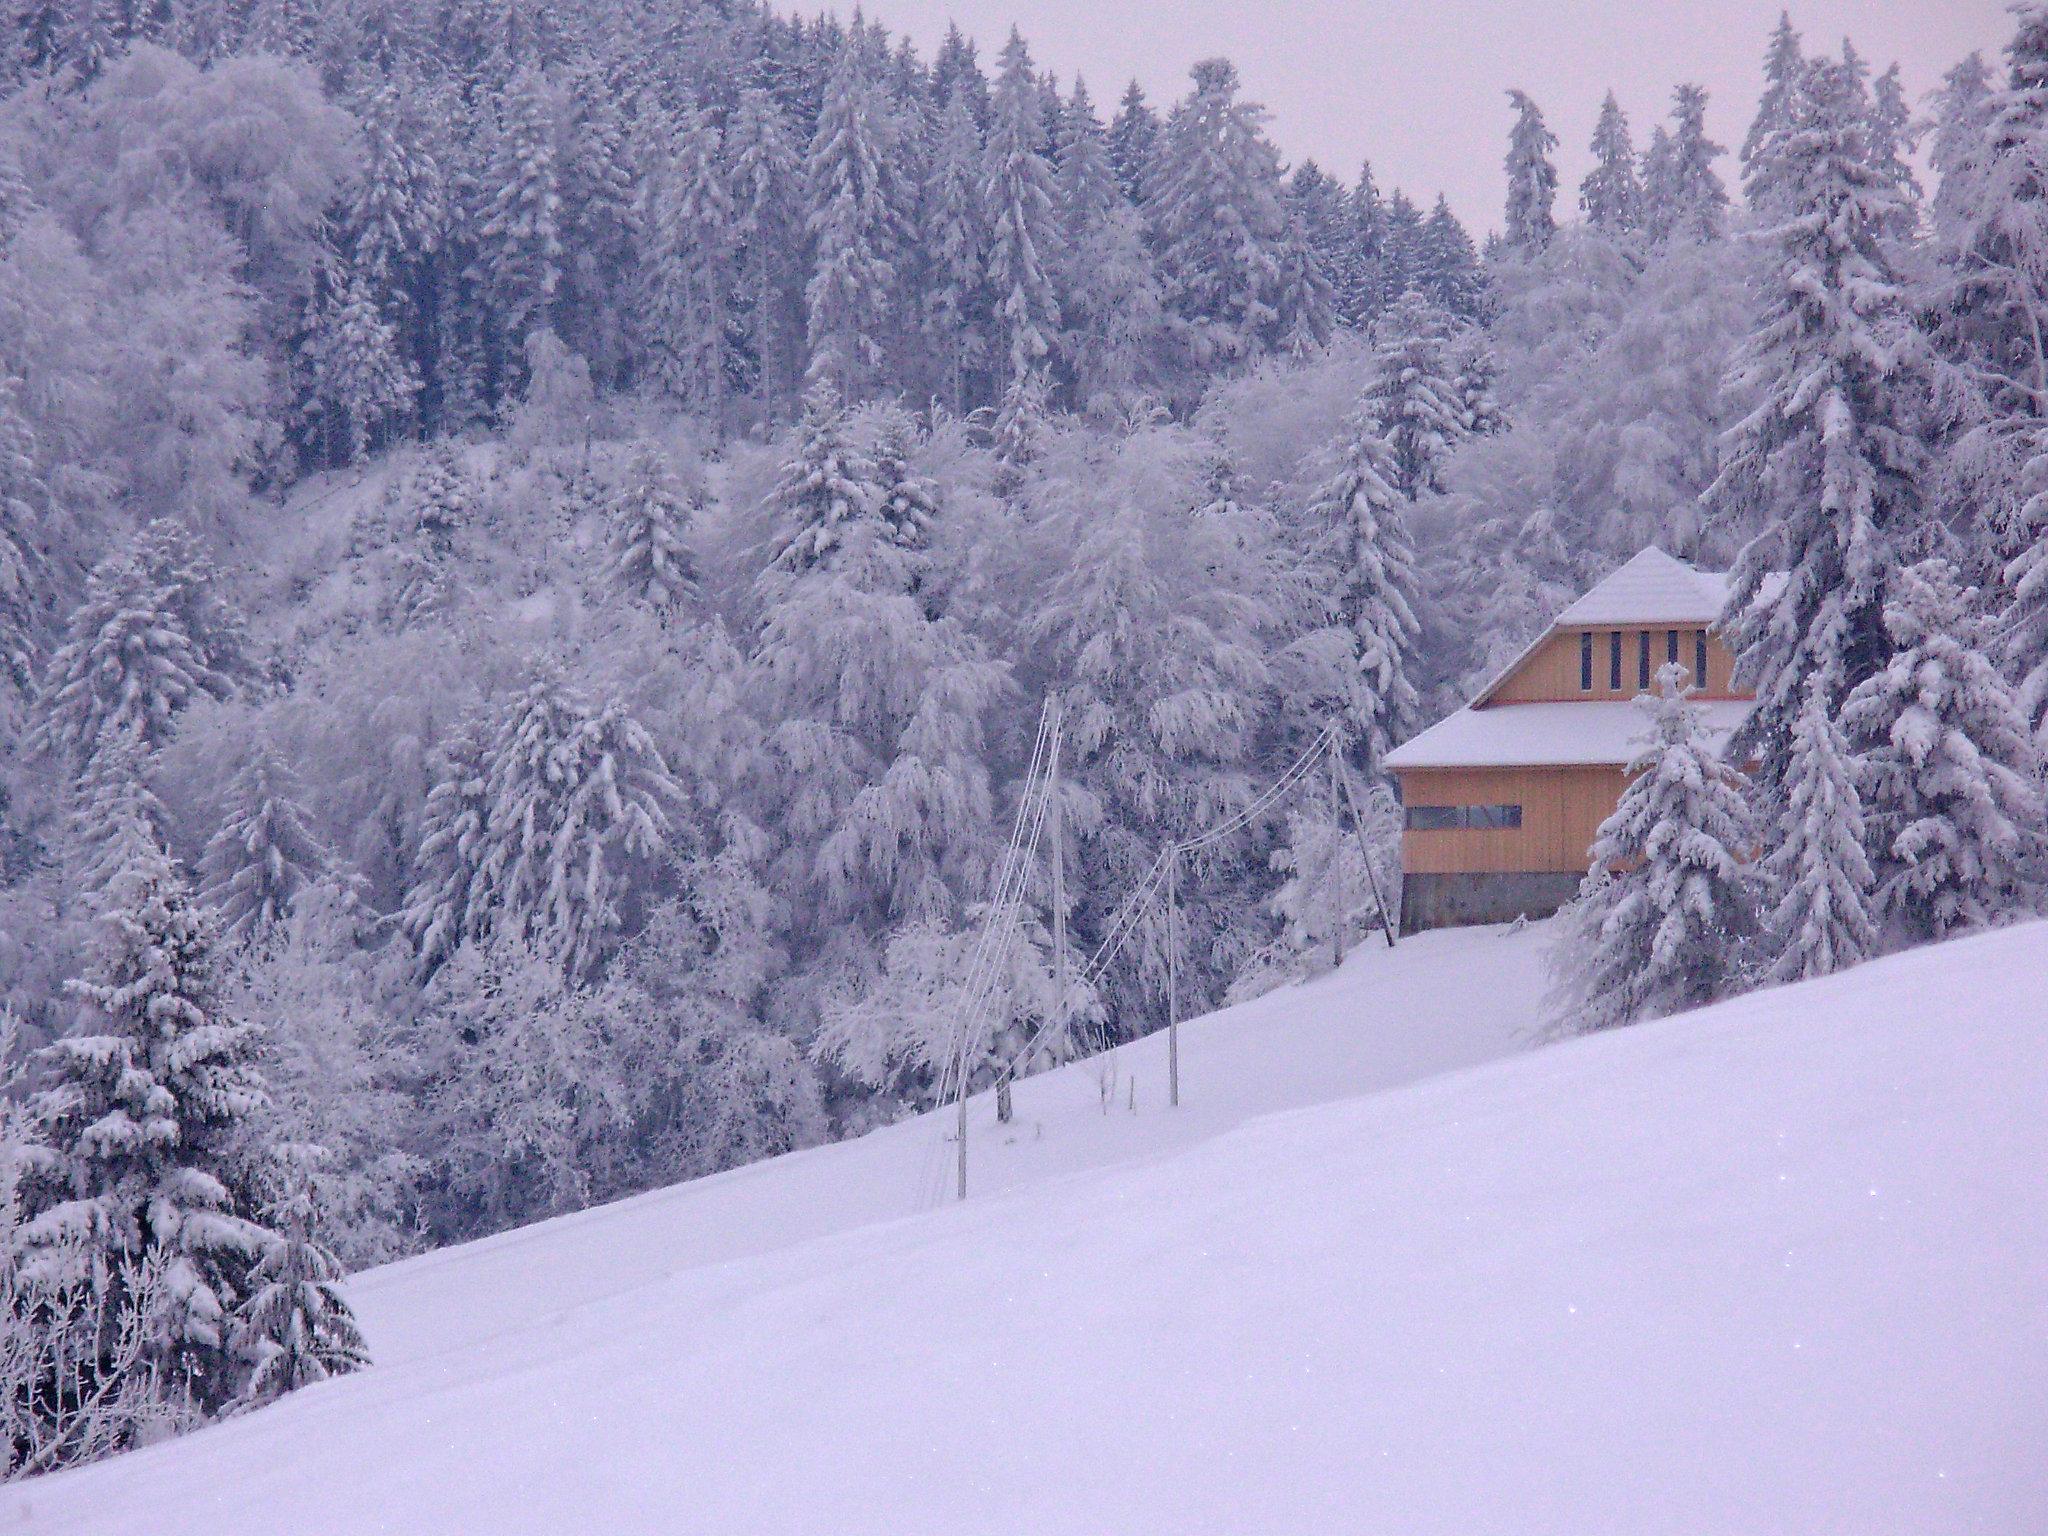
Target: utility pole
<point>1059,879</point>
<point>1173,978</point>
<point>1334,747</point>
<point>963,1128</point>
<point>1358,827</point>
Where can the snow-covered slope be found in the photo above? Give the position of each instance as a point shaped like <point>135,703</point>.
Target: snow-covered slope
<point>1779,1266</point>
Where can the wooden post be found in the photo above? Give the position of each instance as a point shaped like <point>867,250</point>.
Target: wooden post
<point>1364,848</point>
<point>1173,979</point>
<point>1059,878</point>
<point>1335,747</point>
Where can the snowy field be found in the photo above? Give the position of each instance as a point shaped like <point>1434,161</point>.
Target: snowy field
<point>1775,1267</point>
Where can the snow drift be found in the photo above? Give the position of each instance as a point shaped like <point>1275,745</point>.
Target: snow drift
<point>1776,1266</point>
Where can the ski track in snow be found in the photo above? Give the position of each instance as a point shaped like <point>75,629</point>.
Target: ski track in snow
<point>1779,1266</point>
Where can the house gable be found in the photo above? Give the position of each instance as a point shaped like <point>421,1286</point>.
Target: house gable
<point>1610,642</point>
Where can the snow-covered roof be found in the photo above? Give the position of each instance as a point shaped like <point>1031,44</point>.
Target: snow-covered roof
<point>1558,735</point>
<point>1652,588</point>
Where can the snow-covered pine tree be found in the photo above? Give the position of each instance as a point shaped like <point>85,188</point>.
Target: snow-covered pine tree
<point>1959,121</point>
<point>438,502</point>
<point>768,236</point>
<point>1133,139</point>
<point>907,502</point>
<point>1475,375</point>
<point>24,581</point>
<point>1215,206</point>
<point>521,231</point>
<point>1403,262</point>
<point>2026,621</point>
<point>361,379</point>
<point>1950,777</point>
<point>1987,302</point>
<point>295,1326</point>
<point>1779,113</point>
<point>956,70</point>
<point>1893,135</point>
<point>1365,291</point>
<point>689,268</point>
<point>1612,192</point>
<point>1374,558</point>
<point>855,225</point>
<point>1111,293</point>
<point>601,230</point>
<point>1684,197</point>
<point>1446,269</point>
<point>264,852</point>
<point>129,663</point>
<point>1831,461</point>
<point>955,244</point>
<point>1669,899</point>
<point>1817,871</point>
<point>397,220</point>
<point>1019,430</point>
<point>145,1104</point>
<point>113,813</point>
<point>1532,177</point>
<point>457,389</point>
<point>446,902</point>
<point>1320,207</point>
<point>1413,394</point>
<point>826,487</point>
<point>650,561</point>
<point>1784,74</point>
<point>580,810</point>
<point>1017,204</point>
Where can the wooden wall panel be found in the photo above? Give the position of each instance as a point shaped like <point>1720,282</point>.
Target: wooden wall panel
<point>1551,671</point>
<point>1561,810</point>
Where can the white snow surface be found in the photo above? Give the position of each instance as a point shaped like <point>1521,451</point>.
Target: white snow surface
<point>1651,587</point>
<point>1550,735</point>
<point>1776,1266</point>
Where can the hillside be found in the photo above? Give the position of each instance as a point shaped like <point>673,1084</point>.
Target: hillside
<point>1775,1266</point>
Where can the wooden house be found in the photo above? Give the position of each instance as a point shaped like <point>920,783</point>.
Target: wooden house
<point>1501,800</point>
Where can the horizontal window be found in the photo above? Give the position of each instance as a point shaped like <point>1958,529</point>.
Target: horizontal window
<point>1464,818</point>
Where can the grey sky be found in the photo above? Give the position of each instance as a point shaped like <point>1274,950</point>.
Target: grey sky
<point>1419,87</point>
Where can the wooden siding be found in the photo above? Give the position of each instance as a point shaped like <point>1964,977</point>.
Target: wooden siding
<point>1561,810</point>
<point>1551,671</point>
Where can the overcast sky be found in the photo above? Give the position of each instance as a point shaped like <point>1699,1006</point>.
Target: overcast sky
<point>1418,86</point>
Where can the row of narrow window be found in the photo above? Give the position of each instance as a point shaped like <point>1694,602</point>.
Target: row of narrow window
<point>1464,818</point>
<point>1614,649</point>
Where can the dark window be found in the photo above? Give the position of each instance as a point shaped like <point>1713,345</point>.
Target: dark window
<point>1464,818</point>
<point>1586,662</point>
<point>1699,659</point>
<point>1671,646</point>
<point>1614,661</point>
<point>1643,661</point>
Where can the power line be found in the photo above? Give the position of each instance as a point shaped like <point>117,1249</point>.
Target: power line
<point>1039,799</point>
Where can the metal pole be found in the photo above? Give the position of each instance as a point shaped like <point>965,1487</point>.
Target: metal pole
<point>1173,979</point>
<point>963,1130</point>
